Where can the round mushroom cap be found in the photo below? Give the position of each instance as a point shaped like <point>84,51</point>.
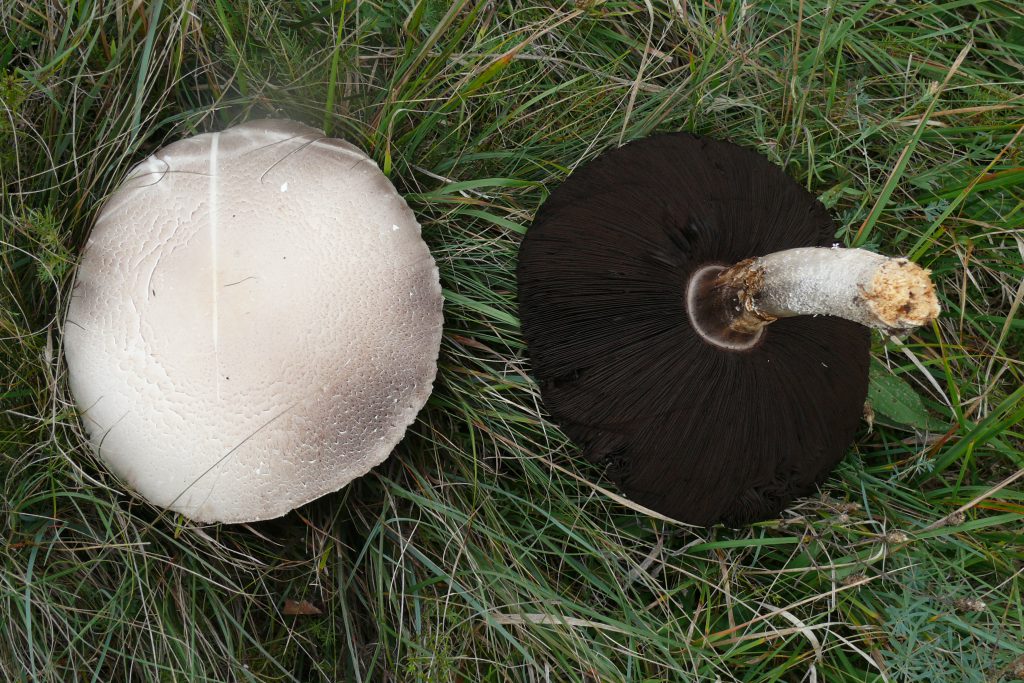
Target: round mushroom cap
<point>695,431</point>
<point>254,323</point>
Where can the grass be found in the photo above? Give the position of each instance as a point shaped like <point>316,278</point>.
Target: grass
<point>479,552</point>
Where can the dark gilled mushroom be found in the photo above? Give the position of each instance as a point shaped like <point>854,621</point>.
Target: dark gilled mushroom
<point>692,326</point>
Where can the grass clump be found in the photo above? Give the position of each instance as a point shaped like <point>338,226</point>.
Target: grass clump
<point>478,551</point>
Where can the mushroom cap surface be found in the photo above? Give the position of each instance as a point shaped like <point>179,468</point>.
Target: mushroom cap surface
<point>696,432</point>
<point>255,322</point>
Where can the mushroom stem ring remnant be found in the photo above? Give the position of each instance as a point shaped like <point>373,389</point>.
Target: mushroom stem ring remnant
<point>730,306</point>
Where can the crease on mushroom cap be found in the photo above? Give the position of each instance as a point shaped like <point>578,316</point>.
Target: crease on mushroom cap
<point>255,322</point>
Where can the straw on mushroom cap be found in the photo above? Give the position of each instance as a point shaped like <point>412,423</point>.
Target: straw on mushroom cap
<point>683,334</point>
<point>255,322</point>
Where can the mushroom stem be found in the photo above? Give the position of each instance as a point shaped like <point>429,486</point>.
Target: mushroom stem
<point>858,285</point>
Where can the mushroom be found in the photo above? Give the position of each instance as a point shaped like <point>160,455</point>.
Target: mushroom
<point>254,323</point>
<point>693,328</point>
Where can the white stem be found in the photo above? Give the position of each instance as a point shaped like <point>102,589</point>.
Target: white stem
<point>873,290</point>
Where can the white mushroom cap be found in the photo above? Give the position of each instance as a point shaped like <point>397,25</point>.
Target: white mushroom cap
<point>255,322</point>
